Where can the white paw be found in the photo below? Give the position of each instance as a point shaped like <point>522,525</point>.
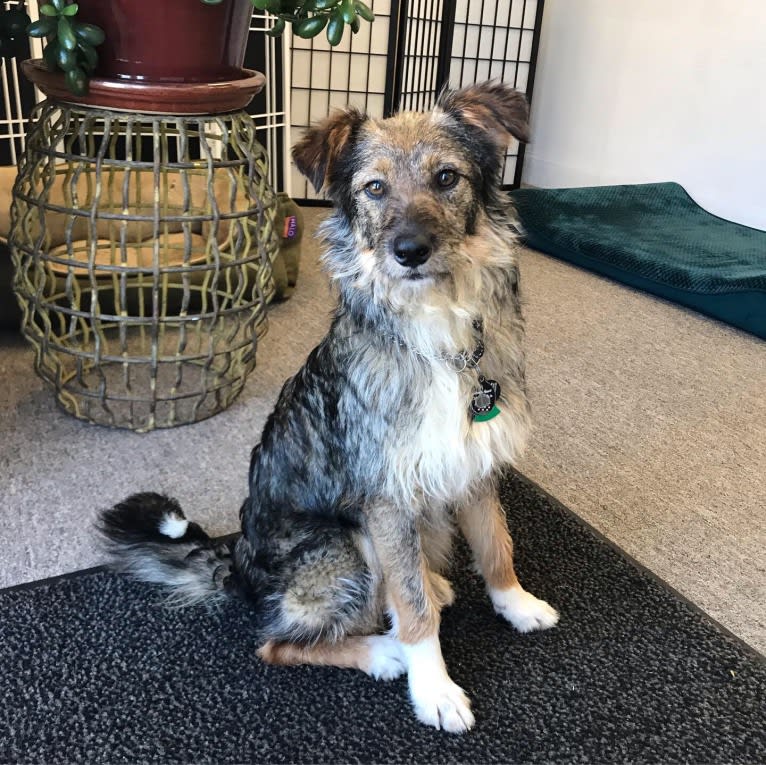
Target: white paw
<point>523,610</point>
<point>386,661</point>
<point>443,705</point>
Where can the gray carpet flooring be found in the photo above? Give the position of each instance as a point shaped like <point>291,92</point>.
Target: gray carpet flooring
<point>650,424</point>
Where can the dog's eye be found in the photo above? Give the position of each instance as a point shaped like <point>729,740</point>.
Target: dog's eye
<point>375,189</point>
<point>446,179</point>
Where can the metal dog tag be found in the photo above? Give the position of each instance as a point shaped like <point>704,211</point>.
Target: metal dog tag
<point>484,400</point>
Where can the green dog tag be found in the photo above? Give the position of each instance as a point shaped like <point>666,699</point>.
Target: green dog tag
<point>487,415</point>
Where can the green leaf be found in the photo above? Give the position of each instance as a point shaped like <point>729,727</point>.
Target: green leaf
<point>347,11</point>
<point>260,4</point>
<point>308,28</point>
<point>66,34</point>
<point>50,54</point>
<point>77,81</point>
<point>323,5</point>
<point>335,28</point>
<point>42,27</point>
<point>66,59</point>
<point>364,11</point>
<point>277,29</point>
<point>88,33</point>
<point>87,56</point>
<point>48,10</point>
<point>71,10</point>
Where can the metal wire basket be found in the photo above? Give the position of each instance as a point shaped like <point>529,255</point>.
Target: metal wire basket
<point>142,247</point>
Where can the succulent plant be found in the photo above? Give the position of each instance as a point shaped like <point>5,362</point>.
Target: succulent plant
<point>71,44</point>
<point>310,17</point>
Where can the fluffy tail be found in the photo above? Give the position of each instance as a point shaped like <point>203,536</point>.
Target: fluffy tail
<point>148,537</point>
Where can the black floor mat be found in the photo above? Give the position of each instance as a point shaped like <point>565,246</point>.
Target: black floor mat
<point>94,669</point>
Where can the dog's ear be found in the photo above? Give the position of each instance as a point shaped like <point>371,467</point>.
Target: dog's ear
<point>322,144</point>
<point>492,107</point>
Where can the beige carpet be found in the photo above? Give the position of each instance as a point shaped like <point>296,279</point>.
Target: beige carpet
<point>650,423</point>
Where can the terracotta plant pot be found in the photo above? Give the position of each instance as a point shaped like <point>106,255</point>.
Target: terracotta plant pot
<point>170,41</point>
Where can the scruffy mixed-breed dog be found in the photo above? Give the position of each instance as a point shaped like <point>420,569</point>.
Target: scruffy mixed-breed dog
<point>394,433</point>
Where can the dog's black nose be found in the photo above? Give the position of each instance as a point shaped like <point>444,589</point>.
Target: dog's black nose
<point>412,250</point>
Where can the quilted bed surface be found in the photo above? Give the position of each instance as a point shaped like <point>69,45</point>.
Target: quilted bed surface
<point>654,237</point>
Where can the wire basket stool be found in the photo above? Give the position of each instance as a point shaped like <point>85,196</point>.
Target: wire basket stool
<point>142,246</point>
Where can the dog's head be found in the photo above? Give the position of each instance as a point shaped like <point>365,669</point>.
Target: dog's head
<point>414,189</point>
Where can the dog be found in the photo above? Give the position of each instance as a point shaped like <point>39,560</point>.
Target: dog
<point>394,433</point>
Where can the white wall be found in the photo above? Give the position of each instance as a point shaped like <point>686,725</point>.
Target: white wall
<point>633,91</point>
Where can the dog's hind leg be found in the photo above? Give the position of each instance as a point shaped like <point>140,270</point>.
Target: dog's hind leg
<point>483,523</point>
<point>378,655</point>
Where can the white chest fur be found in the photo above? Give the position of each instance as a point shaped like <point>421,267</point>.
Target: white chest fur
<point>443,454</point>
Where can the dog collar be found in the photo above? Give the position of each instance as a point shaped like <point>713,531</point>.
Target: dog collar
<point>465,359</point>
<point>483,404</point>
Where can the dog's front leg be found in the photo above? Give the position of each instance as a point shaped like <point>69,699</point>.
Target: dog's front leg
<point>414,608</point>
<point>483,523</point>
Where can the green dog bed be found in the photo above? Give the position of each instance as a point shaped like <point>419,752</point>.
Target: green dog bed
<point>654,237</point>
